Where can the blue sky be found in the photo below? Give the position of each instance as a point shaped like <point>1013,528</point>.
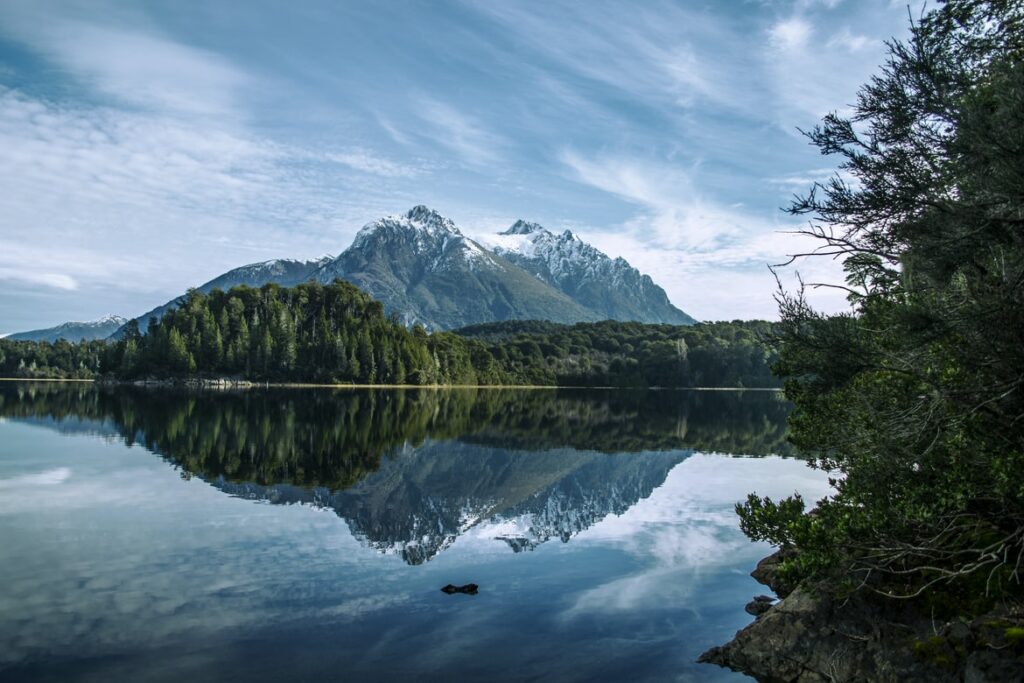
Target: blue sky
<point>150,146</point>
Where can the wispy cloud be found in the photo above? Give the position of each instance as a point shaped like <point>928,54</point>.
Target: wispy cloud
<point>710,257</point>
<point>139,68</point>
<point>790,35</point>
<point>458,131</point>
<point>179,142</point>
<point>674,212</point>
<point>362,160</point>
<point>32,277</point>
<point>161,160</point>
<point>810,62</point>
<point>651,51</point>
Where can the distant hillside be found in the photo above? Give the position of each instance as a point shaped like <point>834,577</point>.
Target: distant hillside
<point>74,331</point>
<point>284,272</point>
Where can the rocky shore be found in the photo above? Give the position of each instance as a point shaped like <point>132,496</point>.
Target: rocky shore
<point>187,382</point>
<point>811,636</point>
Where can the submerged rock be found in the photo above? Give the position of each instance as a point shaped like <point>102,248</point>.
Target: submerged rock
<point>759,605</point>
<point>468,589</point>
<point>810,636</point>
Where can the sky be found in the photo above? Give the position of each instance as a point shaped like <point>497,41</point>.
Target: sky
<point>148,147</point>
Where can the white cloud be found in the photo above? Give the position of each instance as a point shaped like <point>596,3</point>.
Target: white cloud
<point>106,196</point>
<point>812,72</point>
<point>790,34</point>
<point>674,212</point>
<point>849,41</point>
<point>459,132</point>
<point>362,160</point>
<point>710,258</point>
<point>656,52</point>
<point>29,276</point>
<point>141,68</point>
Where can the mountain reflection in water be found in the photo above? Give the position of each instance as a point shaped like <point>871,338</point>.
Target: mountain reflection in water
<point>412,470</point>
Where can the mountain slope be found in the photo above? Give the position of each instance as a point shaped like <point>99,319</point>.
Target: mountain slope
<point>612,288</point>
<point>74,331</point>
<point>284,272</point>
<point>422,267</point>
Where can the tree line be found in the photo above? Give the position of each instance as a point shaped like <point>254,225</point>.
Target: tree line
<point>336,333</point>
<point>915,400</point>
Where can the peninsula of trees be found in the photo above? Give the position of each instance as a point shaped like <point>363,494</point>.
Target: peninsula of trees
<point>337,334</point>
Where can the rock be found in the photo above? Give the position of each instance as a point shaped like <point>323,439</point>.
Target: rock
<point>759,605</point>
<point>468,589</point>
<point>767,573</point>
<point>812,636</point>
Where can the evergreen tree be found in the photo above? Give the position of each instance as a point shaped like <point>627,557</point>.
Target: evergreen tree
<point>915,400</point>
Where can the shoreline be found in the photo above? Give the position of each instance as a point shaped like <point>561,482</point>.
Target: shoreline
<point>247,384</point>
<point>814,633</point>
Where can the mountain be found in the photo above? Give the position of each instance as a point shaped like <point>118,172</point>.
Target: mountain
<point>421,266</point>
<point>284,272</point>
<point>610,287</point>
<point>74,331</point>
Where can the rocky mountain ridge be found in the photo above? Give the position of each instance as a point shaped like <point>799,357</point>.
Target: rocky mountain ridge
<point>611,287</point>
<point>425,269</point>
<point>74,331</point>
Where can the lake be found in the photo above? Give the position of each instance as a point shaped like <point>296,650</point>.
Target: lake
<point>305,534</point>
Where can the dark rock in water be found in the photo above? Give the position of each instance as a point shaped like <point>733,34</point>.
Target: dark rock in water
<point>767,573</point>
<point>468,589</point>
<point>811,636</point>
<point>759,605</point>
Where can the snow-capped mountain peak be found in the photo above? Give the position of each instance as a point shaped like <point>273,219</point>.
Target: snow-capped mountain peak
<point>431,220</point>
<point>610,286</point>
<point>423,267</point>
<point>74,331</point>
<point>522,227</point>
<point>419,221</point>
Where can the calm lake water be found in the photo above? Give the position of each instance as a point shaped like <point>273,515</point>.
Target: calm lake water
<point>296,534</point>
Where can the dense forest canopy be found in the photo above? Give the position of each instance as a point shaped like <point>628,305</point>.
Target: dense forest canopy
<point>914,399</point>
<point>337,334</point>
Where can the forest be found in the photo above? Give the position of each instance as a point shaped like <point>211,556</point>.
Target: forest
<point>914,400</point>
<point>336,334</point>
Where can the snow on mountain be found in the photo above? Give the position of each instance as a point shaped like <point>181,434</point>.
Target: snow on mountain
<point>611,287</point>
<point>421,266</point>
<point>74,331</point>
<point>432,236</point>
<point>425,269</point>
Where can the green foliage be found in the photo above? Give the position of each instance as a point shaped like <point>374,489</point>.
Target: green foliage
<point>338,334</point>
<point>309,333</point>
<point>765,520</point>
<point>916,399</point>
<point>936,650</point>
<point>51,360</point>
<point>1014,636</point>
<point>610,353</point>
